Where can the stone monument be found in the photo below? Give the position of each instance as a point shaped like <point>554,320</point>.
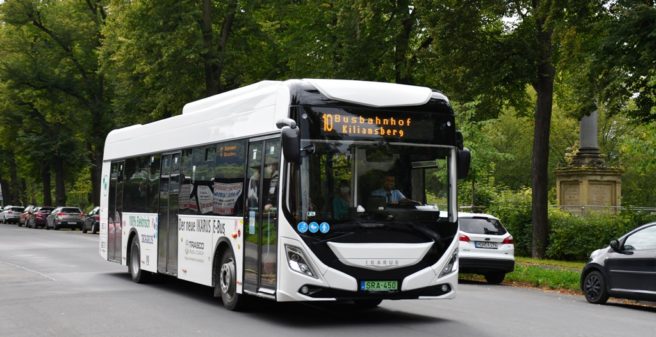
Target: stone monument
<point>588,184</point>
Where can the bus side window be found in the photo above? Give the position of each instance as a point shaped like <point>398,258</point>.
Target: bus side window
<point>228,178</point>
<point>153,190</point>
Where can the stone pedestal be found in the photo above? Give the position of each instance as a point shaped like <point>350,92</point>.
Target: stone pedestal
<point>587,184</point>
<point>582,190</point>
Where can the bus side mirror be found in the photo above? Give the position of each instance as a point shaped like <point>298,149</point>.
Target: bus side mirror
<point>463,163</point>
<point>291,144</point>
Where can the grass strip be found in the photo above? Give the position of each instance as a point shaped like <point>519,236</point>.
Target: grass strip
<point>544,274</point>
<point>546,278</point>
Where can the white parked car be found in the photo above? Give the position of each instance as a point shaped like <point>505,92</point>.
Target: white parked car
<point>486,247</point>
<point>11,214</point>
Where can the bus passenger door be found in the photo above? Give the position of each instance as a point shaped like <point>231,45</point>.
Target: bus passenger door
<point>167,230</point>
<point>261,218</point>
<point>114,222</point>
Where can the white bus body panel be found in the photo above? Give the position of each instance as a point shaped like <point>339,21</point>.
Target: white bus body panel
<point>243,116</point>
<point>198,238</point>
<point>145,224</point>
<point>289,281</point>
<point>248,112</point>
<point>378,94</point>
<point>104,207</point>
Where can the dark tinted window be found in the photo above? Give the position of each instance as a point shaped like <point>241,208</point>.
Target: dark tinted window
<point>153,190</point>
<point>70,210</point>
<point>481,226</point>
<point>186,201</point>
<point>229,175</point>
<point>128,194</point>
<point>46,209</point>
<point>201,178</point>
<point>135,192</point>
<point>17,209</point>
<point>116,175</point>
<point>212,179</point>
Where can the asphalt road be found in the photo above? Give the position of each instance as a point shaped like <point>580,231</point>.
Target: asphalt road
<point>54,283</point>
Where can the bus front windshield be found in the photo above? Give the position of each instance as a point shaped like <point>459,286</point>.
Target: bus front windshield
<point>352,181</point>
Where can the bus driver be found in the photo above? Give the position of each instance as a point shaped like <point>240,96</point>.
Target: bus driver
<point>392,195</point>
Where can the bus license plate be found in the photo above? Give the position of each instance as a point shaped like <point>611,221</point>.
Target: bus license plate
<point>379,285</point>
<point>485,244</point>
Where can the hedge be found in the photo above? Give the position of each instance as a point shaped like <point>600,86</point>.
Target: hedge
<point>571,237</point>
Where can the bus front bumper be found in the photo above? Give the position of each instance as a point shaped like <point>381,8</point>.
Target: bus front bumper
<point>329,284</point>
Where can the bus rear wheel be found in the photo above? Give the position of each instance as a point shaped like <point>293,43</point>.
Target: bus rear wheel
<point>134,265</point>
<point>226,282</point>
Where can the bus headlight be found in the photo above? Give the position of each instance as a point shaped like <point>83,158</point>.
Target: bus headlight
<point>448,269</point>
<point>297,261</point>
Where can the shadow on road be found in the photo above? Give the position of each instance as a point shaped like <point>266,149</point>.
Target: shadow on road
<point>332,314</point>
<point>295,314</point>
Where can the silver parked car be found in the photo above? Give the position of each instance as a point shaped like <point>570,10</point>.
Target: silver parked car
<point>11,214</point>
<point>68,217</point>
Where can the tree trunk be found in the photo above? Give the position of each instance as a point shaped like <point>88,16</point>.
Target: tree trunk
<point>3,191</point>
<point>25,193</point>
<point>540,180</point>
<point>210,60</point>
<point>14,185</point>
<point>60,188</point>
<point>96,172</point>
<point>401,74</point>
<point>226,31</point>
<point>45,179</point>
<point>96,142</point>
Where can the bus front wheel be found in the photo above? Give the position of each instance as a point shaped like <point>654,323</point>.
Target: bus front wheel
<point>227,282</point>
<point>134,266</point>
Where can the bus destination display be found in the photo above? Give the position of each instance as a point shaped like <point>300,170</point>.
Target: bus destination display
<point>339,123</point>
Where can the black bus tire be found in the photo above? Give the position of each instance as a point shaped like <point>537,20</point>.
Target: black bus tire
<point>137,274</point>
<point>226,283</point>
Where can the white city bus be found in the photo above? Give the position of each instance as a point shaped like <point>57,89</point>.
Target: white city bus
<point>302,190</point>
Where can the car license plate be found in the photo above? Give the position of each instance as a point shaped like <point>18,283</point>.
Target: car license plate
<point>485,244</point>
<point>379,285</point>
<point>72,223</point>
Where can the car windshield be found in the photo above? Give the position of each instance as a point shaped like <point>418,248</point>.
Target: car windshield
<point>45,209</point>
<point>70,210</point>
<point>340,181</point>
<point>16,209</point>
<point>481,226</point>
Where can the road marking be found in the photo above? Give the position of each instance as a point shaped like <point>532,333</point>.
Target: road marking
<point>29,270</point>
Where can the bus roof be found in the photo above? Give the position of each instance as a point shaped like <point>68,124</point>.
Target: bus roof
<point>248,112</point>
